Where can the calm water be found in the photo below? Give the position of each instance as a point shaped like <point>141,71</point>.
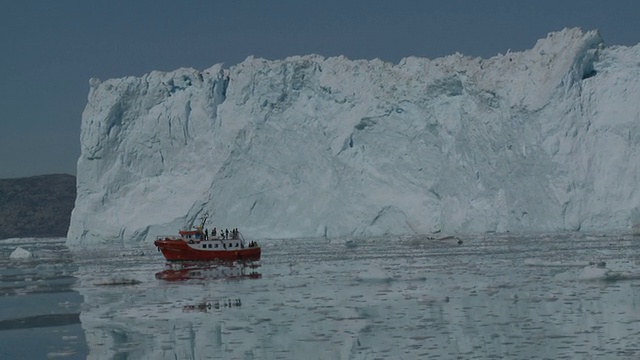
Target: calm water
<point>562,296</point>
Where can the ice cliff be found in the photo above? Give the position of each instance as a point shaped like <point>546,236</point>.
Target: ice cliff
<point>546,139</point>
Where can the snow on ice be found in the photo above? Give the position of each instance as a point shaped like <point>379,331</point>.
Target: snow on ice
<point>546,139</point>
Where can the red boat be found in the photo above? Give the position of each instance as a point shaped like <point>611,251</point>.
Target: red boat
<point>198,244</point>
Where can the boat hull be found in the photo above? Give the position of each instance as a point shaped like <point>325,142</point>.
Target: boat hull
<point>179,250</point>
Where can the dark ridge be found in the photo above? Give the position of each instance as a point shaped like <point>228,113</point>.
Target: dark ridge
<point>36,206</point>
<point>589,74</point>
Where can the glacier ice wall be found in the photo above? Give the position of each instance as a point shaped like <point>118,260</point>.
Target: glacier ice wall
<point>546,139</point>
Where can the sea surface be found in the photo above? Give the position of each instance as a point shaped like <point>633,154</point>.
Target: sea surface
<point>551,296</point>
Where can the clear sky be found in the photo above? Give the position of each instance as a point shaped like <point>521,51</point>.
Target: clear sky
<point>50,49</point>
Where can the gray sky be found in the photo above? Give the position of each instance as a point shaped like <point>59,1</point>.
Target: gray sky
<point>50,49</point>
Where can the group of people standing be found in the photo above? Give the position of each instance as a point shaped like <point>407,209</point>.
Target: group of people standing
<point>234,234</point>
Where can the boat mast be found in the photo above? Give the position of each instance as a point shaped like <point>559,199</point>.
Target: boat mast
<point>204,220</point>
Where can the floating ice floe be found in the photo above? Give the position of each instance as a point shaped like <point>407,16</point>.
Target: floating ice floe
<point>20,253</point>
<point>611,270</point>
<point>605,274</point>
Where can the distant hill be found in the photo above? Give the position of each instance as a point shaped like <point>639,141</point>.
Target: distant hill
<point>37,206</point>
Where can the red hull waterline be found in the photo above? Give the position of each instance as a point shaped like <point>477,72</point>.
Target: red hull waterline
<point>180,250</point>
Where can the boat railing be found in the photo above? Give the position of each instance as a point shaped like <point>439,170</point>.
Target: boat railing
<point>250,244</point>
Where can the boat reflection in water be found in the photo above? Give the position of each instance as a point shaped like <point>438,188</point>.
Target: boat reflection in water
<point>210,270</point>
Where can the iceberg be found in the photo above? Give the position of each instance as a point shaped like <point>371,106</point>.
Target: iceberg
<point>541,140</point>
<point>20,253</point>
